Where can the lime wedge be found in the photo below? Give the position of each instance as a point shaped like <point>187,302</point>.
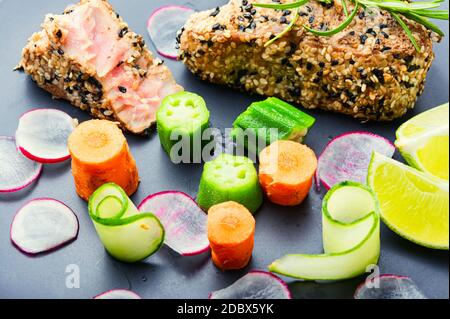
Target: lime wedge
<point>413,204</point>
<point>423,141</point>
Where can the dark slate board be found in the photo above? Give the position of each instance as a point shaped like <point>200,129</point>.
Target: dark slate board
<point>167,275</point>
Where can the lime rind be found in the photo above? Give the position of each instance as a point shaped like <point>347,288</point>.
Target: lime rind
<point>433,186</point>
<point>127,234</point>
<point>351,241</point>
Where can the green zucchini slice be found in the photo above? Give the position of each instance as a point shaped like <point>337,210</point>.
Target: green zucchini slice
<point>127,234</point>
<point>351,237</point>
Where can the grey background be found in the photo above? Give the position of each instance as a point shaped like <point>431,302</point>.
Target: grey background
<point>167,275</point>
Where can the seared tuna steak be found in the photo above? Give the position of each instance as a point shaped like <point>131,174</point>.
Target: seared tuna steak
<point>370,70</point>
<point>90,57</point>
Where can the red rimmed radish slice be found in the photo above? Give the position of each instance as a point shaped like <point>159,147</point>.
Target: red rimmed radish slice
<point>184,221</point>
<point>43,224</point>
<point>42,135</point>
<point>16,171</point>
<point>347,157</point>
<point>118,294</point>
<point>255,285</point>
<point>163,27</point>
<point>389,287</point>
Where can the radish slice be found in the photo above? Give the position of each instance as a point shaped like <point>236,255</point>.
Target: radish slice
<point>255,285</point>
<point>43,224</point>
<point>163,26</point>
<point>42,135</point>
<point>118,294</point>
<point>16,171</point>
<point>390,287</point>
<point>184,221</point>
<point>347,157</point>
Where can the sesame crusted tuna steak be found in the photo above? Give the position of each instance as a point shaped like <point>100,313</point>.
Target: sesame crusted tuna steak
<point>90,57</point>
<point>370,70</point>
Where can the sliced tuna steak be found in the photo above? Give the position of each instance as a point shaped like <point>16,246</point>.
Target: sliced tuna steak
<point>89,56</point>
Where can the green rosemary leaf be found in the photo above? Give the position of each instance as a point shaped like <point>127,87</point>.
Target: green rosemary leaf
<point>435,14</point>
<point>406,29</point>
<point>288,28</point>
<point>424,21</point>
<point>338,29</point>
<point>344,6</point>
<point>399,6</point>
<point>283,6</point>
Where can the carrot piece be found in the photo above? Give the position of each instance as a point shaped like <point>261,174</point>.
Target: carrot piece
<point>100,154</point>
<point>286,171</point>
<point>231,231</point>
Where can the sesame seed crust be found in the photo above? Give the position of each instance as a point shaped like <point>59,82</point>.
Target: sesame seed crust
<point>369,71</point>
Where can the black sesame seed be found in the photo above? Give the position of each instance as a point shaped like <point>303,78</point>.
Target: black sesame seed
<point>361,15</point>
<point>377,41</point>
<point>371,31</point>
<point>384,34</point>
<point>248,16</point>
<point>352,62</point>
<point>385,49</point>
<point>283,20</point>
<point>379,74</point>
<point>122,32</point>
<point>352,33</point>
<point>76,87</point>
<point>334,62</point>
<point>309,66</point>
<point>413,67</point>
<point>319,73</point>
<point>122,89</point>
<point>321,64</point>
<point>60,51</point>
<point>303,14</point>
<point>252,25</point>
<point>241,27</point>
<point>363,38</point>
<point>215,12</point>
<point>286,12</point>
<point>240,18</point>
<point>59,34</point>
<point>383,25</point>
<point>311,19</point>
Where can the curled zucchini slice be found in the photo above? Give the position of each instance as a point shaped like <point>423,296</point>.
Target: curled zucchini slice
<point>127,234</point>
<point>351,237</point>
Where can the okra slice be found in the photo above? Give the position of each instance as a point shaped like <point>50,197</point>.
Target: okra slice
<point>290,123</point>
<point>126,233</point>
<point>230,178</point>
<point>181,120</point>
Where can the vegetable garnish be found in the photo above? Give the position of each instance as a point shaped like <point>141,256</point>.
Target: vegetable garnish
<point>417,11</point>
<point>100,154</point>
<point>255,285</point>
<point>231,232</point>
<point>389,287</point>
<point>184,221</point>
<point>118,294</point>
<point>351,237</point>
<point>16,171</point>
<point>286,171</point>
<point>42,225</point>
<point>413,204</point>
<point>42,135</point>
<point>261,118</point>
<point>230,178</point>
<point>127,234</point>
<point>347,156</point>
<point>163,25</point>
<point>181,118</point>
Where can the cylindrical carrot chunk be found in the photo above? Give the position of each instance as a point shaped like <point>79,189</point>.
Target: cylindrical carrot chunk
<point>100,154</point>
<point>231,231</point>
<point>286,171</point>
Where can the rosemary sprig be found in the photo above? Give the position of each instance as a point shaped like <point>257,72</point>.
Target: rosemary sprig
<point>338,29</point>
<point>406,29</point>
<point>416,11</point>
<point>289,27</point>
